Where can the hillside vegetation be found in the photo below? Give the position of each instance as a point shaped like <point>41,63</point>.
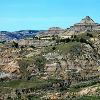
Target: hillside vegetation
<point>69,69</point>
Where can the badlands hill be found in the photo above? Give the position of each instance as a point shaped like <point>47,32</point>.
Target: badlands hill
<point>85,25</point>
<point>52,69</point>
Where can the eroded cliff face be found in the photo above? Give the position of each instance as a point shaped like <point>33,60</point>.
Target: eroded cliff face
<point>8,62</point>
<point>85,25</point>
<point>80,62</point>
<point>74,60</point>
<point>11,67</point>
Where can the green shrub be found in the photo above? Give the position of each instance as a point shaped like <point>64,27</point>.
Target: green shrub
<point>40,63</point>
<point>90,35</point>
<point>15,44</point>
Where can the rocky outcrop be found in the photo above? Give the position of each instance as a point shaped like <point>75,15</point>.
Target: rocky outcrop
<point>53,31</point>
<point>86,24</point>
<point>82,63</point>
<point>11,67</point>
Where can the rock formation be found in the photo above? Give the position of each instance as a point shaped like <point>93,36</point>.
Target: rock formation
<point>50,32</point>
<point>86,24</point>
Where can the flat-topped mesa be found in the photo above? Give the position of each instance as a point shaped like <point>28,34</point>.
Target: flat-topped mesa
<point>55,30</point>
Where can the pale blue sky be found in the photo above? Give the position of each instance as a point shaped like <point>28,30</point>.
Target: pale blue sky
<point>42,14</point>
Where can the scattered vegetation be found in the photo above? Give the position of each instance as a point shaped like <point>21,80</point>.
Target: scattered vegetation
<point>40,63</point>
<point>40,82</point>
